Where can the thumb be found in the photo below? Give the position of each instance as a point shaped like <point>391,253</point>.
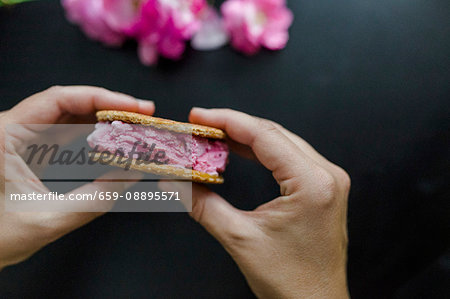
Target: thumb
<point>86,211</point>
<point>223,221</point>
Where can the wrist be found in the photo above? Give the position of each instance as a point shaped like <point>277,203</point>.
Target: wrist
<point>328,286</point>
<point>304,284</point>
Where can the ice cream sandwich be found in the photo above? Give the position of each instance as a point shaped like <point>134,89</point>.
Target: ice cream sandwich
<point>159,146</point>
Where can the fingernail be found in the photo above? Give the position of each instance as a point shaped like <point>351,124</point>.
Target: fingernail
<point>146,102</point>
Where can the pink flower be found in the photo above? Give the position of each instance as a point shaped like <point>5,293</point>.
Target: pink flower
<point>164,26</point>
<point>255,23</point>
<point>89,15</point>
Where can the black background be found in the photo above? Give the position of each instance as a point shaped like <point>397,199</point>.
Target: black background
<point>365,82</point>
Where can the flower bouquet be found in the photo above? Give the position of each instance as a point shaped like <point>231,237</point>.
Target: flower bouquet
<point>163,27</point>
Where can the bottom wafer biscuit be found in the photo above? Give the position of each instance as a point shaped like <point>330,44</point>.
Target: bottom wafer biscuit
<point>159,169</point>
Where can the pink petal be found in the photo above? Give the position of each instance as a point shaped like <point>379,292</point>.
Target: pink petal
<point>212,34</point>
<point>120,14</point>
<point>275,40</point>
<point>171,44</point>
<point>241,41</point>
<point>171,48</point>
<point>148,53</point>
<point>281,18</point>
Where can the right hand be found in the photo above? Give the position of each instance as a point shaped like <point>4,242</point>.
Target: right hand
<point>294,246</point>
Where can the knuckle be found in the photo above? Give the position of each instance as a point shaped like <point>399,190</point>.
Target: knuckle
<point>227,110</point>
<point>234,238</point>
<point>267,125</point>
<point>276,125</point>
<point>55,89</point>
<point>45,226</point>
<point>198,206</point>
<point>238,238</point>
<point>327,185</point>
<point>344,179</point>
<point>264,127</point>
<point>50,227</point>
<point>103,90</point>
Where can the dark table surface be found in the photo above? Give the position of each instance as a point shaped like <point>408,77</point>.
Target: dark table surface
<point>365,82</point>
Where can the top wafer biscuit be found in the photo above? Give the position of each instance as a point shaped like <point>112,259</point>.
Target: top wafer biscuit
<point>160,123</point>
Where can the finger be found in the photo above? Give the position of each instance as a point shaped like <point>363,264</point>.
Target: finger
<point>333,169</point>
<point>302,144</point>
<point>109,182</point>
<point>215,214</point>
<point>272,148</point>
<point>241,149</point>
<point>56,103</point>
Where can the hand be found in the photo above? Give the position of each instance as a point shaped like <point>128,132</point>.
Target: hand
<point>22,234</point>
<point>294,246</point>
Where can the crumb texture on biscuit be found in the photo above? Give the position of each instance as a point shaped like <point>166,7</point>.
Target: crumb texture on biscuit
<point>160,169</point>
<point>161,123</point>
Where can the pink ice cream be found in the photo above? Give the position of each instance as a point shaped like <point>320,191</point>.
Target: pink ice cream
<point>181,150</point>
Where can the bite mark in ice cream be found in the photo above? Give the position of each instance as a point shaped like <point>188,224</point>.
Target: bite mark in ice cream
<point>181,150</point>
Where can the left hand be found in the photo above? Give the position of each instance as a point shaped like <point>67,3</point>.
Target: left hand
<point>24,233</point>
